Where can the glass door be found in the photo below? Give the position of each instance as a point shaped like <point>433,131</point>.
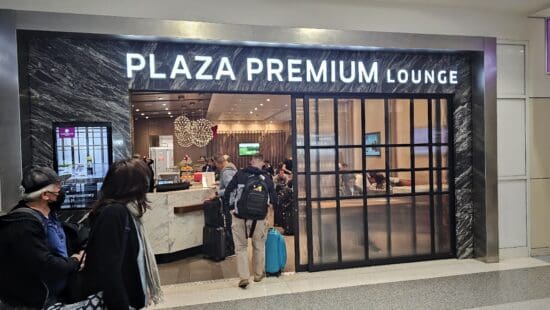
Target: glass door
<point>373,180</point>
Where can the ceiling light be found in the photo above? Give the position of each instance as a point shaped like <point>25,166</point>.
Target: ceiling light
<point>171,116</point>
<point>251,112</point>
<point>160,98</point>
<point>261,104</point>
<point>169,113</point>
<point>286,105</point>
<point>142,114</point>
<point>137,110</point>
<point>256,109</point>
<point>146,117</point>
<point>268,100</point>
<point>164,104</point>
<point>166,109</point>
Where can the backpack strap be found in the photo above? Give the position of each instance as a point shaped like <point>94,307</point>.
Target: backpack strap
<point>30,211</point>
<point>252,228</point>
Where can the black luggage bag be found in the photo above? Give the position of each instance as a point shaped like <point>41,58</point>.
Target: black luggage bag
<point>213,243</point>
<point>173,187</point>
<point>288,221</point>
<point>213,213</point>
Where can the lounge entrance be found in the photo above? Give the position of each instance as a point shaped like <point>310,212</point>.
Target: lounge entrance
<point>374,180</point>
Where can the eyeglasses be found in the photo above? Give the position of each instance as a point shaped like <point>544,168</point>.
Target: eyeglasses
<point>54,193</point>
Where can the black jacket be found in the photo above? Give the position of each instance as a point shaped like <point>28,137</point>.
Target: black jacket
<point>111,258</point>
<point>241,177</point>
<point>26,261</point>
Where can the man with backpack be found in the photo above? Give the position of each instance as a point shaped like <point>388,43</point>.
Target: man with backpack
<point>248,194</point>
<point>34,261</point>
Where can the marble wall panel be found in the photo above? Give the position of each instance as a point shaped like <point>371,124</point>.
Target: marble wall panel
<point>84,79</point>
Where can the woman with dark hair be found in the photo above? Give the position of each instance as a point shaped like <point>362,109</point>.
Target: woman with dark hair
<point>120,262</point>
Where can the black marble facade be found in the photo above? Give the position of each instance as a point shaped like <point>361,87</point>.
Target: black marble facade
<point>84,79</point>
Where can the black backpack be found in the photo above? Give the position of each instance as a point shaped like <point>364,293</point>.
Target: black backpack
<point>253,202</point>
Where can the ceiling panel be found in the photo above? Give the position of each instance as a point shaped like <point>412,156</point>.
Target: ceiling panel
<point>215,107</point>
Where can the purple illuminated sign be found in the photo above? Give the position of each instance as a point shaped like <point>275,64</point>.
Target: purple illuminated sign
<point>548,45</point>
<point>66,132</point>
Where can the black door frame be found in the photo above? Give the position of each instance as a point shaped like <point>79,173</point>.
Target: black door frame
<point>305,98</point>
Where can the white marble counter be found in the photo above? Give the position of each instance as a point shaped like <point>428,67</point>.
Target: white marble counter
<point>169,232</point>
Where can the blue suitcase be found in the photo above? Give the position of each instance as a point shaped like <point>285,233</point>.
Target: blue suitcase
<point>275,253</point>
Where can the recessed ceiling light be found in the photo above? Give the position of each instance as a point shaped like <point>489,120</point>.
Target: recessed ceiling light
<point>146,117</point>
<point>160,98</point>
<point>169,113</point>
<point>251,112</point>
<point>171,116</point>
<point>268,100</point>
<point>261,104</point>
<point>142,114</point>
<point>286,105</point>
<point>137,110</point>
<point>166,109</point>
<point>256,109</point>
<point>164,104</point>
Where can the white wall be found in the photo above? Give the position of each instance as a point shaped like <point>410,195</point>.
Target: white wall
<point>512,146</point>
<point>344,14</point>
<point>539,142</point>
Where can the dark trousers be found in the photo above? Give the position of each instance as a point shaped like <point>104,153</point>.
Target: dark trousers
<point>230,244</point>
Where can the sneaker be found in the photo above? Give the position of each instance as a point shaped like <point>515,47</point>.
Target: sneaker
<point>260,278</point>
<point>243,283</point>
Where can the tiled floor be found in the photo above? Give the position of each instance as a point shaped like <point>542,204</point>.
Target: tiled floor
<point>200,269</point>
<point>443,284</point>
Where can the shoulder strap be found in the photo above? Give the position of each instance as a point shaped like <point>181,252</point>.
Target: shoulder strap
<point>33,213</point>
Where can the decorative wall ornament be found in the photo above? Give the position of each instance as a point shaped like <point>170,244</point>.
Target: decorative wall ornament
<point>188,132</point>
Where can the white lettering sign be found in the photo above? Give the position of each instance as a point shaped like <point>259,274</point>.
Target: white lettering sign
<point>294,70</point>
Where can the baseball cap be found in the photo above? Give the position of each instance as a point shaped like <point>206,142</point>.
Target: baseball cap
<point>38,177</point>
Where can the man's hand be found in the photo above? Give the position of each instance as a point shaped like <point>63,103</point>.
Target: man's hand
<point>81,257</point>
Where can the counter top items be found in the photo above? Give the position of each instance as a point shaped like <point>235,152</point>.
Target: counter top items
<point>173,187</point>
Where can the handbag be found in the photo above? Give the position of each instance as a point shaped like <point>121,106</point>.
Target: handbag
<point>92,302</point>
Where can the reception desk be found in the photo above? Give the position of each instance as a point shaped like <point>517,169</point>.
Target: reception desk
<point>175,221</point>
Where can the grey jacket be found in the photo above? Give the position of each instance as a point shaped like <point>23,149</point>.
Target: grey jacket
<point>226,175</point>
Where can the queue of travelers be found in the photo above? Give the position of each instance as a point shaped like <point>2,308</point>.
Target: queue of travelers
<point>115,269</point>
<point>43,265</point>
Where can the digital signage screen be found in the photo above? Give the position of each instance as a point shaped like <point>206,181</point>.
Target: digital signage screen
<point>249,149</point>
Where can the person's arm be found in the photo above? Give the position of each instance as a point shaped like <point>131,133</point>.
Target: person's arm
<point>285,169</point>
<point>34,253</point>
<point>111,232</point>
<point>271,190</point>
<point>229,189</point>
<point>226,178</point>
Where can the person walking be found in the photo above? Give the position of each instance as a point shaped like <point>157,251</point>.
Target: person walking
<point>248,196</point>
<point>227,172</point>
<point>35,264</point>
<point>120,266</point>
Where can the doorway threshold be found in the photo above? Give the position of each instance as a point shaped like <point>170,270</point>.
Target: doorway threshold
<point>206,292</point>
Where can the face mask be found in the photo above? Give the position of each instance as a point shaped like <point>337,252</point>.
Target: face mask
<point>56,205</point>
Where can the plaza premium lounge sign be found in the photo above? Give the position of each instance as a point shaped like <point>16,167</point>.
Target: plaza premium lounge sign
<point>285,70</point>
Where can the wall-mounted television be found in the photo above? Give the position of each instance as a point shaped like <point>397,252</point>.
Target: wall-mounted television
<point>249,149</point>
<point>372,138</point>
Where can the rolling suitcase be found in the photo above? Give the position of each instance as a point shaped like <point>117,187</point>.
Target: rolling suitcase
<point>213,213</point>
<point>288,221</point>
<point>275,253</point>
<point>213,243</point>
